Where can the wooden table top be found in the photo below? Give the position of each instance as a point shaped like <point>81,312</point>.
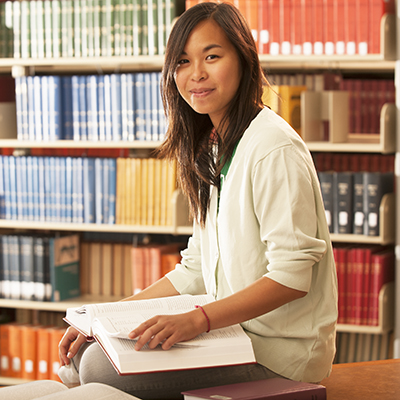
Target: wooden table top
<point>370,380</point>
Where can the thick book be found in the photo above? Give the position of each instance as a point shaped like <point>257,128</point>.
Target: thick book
<point>110,323</point>
<point>275,388</point>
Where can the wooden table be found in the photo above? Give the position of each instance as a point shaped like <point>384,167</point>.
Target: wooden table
<point>372,380</point>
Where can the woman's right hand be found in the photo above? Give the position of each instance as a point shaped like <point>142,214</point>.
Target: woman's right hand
<point>70,344</point>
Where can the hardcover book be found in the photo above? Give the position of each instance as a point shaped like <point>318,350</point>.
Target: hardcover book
<point>110,323</point>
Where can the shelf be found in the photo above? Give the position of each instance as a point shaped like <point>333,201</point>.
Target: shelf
<point>383,142</point>
<point>386,226</point>
<point>386,315</point>
<point>72,144</point>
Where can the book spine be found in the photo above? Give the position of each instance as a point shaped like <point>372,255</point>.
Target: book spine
<point>343,202</point>
<point>116,106</point>
<point>326,179</point>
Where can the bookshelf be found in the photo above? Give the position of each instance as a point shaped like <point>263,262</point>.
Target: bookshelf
<point>384,143</point>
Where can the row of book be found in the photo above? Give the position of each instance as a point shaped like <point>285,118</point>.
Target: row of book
<point>314,27</point>
<point>359,347</point>
<point>84,28</point>
<point>355,162</point>
<point>39,268</point>
<point>116,107</point>
<point>352,200</point>
<point>120,269</point>
<point>58,189</point>
<point>362,271</point>
<point>366,95</point>
<point>30,351</point>
<point>135,191</point>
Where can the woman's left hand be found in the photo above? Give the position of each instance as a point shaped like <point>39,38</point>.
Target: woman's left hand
<point>169,329</point>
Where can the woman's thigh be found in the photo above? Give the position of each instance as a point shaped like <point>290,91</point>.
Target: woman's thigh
<point>95,367</point>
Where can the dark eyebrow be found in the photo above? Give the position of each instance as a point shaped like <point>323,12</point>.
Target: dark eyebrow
<point>207,48</point>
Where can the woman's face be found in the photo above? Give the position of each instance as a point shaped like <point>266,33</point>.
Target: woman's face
<point>208,72</point>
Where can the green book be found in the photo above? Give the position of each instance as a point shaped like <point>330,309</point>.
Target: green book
<point>90,28</point>
<point>129,29</point>
<point>84,33</point>
<point>56,27</point>
<point>40,28</point>
<point>64,267</point>
<point>16,24</point>
<point>145,27</point>
<point>161,27</point>
<point>137,27</point>
<point>107,28</point>
<point>77,11</point>
<point>25,29</point>
<point>48,29</point>
<point>117,28</point>
<point>123,23</point>
<point>97,9</point>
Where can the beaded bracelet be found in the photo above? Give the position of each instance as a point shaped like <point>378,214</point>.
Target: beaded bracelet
<point>208,320</point>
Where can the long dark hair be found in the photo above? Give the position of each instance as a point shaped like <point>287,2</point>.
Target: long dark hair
<point>191,137</point>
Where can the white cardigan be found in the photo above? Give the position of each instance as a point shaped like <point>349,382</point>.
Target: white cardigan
<point>271,222</point>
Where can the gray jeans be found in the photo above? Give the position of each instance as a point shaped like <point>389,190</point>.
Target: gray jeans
<point>94,366</point>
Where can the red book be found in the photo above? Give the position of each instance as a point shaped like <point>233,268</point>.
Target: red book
<point>318,18</point>
<point>5,361</point>
<point>357,285</point>
<point>296,36</point>
<point>338,23</point>
<point>155,258</point>
<point>374,22</point>
<point>138,268</point>
<point>7,89</point>
<point>285,26</point>
<point>252,17</point>
<point>275,388</point>
<point>264,27</point>
<point>362,27</point>
<point>350,27</point>
<point>382,271</point>
<point>308,26</point>
<point>340,255</point>
<point>275,40</point>
<point>329,35</point>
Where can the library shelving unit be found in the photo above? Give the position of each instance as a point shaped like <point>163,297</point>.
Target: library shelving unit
<point>384,143</point>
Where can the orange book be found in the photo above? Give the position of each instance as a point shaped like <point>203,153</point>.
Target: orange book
<point>106,269</point>
<point>127,259</point>
<point>285,26</point>
<point>55,336</point>
<point>5,362</point>
<point>138,268</point>
<point>169,261</point>
<point>329,37</point>
<point>43,353</point>
<point>118,269</point>
<point>155,259</point>
<point>15,350</point>
<point>28,351</point>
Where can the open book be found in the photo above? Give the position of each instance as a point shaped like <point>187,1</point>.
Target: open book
<point>110,323</point>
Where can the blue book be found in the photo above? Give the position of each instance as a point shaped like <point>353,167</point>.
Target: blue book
<point>31,109</point>
<point>99,191</point>
<point>92,108</point>
<point>112,191</point>
<point>74,190</point>
<point>48,190</point>
<point>83,108</point>
<point>37,84</point>
<point>26,267</point>
<point>63,187</point>
<point>88,191</point>
<point>155,126</point>
<point>45,109</point>
<point>19,183</point>
<point>35,188</point>
<point>13,188</point>
<point>30,188</point>
<point>107,107</point>
<point>68,189</point>
<point>140,125</point>
<point>67,106</point>
<point>18,105</point>
<point>2,190</point>
<point>106,188</point>
<point>7,187</point>
<point>55,107</point>
<point>101,108</point>
<point>39,268</point>
<point>130,84</point>
<point>24,106</point>
<point>56,162</point>
<point>124,107</point>
<point>161,114</point>
<point>42,188</point>
<point>79,188</point>
<point>116,107</point>
<point>147,105</point>
<point>75,108</point>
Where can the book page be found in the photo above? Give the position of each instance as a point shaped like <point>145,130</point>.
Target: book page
<point>119,327</point>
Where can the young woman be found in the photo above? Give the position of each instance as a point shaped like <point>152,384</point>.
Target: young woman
<point>260,243</point>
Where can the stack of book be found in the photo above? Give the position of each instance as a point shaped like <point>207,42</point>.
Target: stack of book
<point>312,27</point>
<point>362,271</point>
<point>39,268</point>
<point>30,351</point>
<point>116,107</point>
<point>84,28</point>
